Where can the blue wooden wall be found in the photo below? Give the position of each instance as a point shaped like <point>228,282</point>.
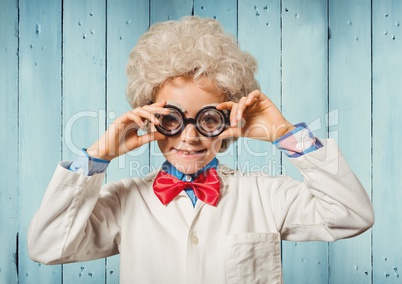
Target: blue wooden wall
<point>336,64</point>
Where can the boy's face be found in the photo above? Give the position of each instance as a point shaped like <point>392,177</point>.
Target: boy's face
<point>189,151</point>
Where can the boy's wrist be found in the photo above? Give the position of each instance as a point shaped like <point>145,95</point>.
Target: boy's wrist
<point>94,153</point>
<point>284,130</point>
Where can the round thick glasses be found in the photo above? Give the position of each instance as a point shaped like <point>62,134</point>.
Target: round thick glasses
<point>209,121</point>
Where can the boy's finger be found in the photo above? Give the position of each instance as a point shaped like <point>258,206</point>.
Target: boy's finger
<point>155,110</point>
<point>149,137</point>
<point>230,132</point>
<point>147,115</point>
<point>160,103</point>
<point>127,119</point>
<point>253,95</point>
<point>233,113</point>
<point>241,107</point>
<point>225,105</point>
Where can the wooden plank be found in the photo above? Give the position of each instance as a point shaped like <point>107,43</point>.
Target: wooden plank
<point>162,10</point>
<point>260,21</point>
<point>40,120</point>
<point>126,21</point>
<point>387,122</point>
<point>224,11</point>
<point>304,85</point>
<point>84,37</point>
<point>9,129</point>
<point>350,101</point>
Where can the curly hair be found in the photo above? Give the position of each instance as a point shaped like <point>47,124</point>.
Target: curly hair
<point>191,46</point>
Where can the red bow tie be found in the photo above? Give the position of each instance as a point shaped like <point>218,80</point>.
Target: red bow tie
<point>206,187</point>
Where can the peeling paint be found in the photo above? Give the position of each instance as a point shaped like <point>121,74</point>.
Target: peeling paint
<point>257,12</point>
<point>82,271</point>
<point>38,29</point>
<point>112,115</point>
<point>396,272</point>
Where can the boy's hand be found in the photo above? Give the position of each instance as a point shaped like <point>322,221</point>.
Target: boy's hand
<point>122,135</point>
<point>255,116</point>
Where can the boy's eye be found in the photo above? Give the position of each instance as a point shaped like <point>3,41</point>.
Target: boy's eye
<point>210,120</point>
<point>170,121</point>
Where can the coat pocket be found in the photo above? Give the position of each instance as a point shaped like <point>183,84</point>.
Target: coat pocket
<point>253,258</point>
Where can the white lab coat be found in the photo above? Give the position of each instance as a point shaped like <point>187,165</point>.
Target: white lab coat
<point>238,241</point>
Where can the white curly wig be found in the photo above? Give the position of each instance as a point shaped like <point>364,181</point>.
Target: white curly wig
<point>192,46</point>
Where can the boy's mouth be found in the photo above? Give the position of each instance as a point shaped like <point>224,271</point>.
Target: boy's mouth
<point>185,152</point>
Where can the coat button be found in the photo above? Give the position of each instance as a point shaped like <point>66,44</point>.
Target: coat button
<point>194,239</point>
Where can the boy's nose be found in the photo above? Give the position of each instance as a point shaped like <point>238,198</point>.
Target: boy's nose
<point>190,134</point>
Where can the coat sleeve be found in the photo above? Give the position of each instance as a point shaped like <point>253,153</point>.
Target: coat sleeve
<point>330,203</point>
<point>76,221</point>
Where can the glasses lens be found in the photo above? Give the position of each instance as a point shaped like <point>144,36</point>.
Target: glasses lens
<point>211,122</point>
<point>170,124</point>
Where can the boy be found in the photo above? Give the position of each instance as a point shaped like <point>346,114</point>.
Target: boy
<point>195,221</point>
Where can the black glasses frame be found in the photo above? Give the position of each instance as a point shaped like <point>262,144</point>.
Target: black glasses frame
<point>193,121</point>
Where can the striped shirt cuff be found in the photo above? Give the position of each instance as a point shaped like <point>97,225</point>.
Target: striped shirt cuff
<point>88,166</point>
<point>298,142</point>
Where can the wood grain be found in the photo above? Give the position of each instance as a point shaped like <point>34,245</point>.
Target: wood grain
<point>350,112</point>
